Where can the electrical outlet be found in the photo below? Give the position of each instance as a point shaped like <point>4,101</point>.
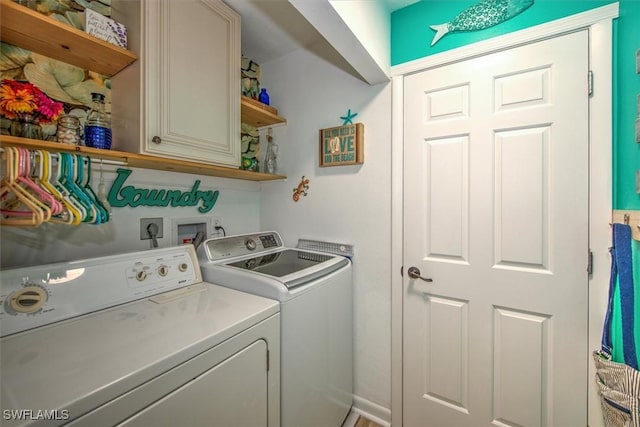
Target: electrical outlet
<point>217,222</point>
<point>144,223</point>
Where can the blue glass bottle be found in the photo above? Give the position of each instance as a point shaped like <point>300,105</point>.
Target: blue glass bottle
<point>97,128</point>
<point>263,96</point>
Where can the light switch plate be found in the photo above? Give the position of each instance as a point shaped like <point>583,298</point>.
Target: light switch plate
<point>638,182</point>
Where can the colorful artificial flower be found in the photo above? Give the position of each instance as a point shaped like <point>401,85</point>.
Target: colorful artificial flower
<point>20,99</point>
<point>48,108</point>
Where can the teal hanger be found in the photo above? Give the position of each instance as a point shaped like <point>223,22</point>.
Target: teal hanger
<point>68,179</point>
<point>55,178</point>
<point>102,211</point>
<point>81,182</point>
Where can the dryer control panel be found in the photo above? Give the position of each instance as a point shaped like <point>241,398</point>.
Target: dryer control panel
<point>36,296</point>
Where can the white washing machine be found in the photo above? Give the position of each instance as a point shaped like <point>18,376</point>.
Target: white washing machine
<point>135,340</point>
<point>316,308</point>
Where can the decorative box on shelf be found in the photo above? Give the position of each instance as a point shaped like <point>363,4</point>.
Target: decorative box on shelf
<point>105,28</point>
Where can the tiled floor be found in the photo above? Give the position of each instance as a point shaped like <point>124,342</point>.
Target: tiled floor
<point>363,422</point>
<point>355,419</point>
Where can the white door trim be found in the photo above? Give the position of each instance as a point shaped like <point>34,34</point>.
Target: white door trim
<point>525,36</point>
<point>600,25</point>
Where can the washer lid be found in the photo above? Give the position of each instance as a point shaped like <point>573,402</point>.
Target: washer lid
<point>292,267</point>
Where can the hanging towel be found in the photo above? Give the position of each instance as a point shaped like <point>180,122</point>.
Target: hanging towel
<point>618,380</point>
<point>626,297</point>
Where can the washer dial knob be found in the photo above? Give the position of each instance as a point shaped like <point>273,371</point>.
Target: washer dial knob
<point>28,299</point>
<point>250,244</point>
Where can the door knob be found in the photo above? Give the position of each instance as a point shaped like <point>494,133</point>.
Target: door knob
<point>414,273</point>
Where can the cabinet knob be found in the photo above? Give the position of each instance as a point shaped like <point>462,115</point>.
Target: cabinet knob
<point>156,140</point>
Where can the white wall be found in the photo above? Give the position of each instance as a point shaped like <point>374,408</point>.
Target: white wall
<point>238,205</point>
<point>370,22</point>
<point>359,31</point>
<point>348,204</point>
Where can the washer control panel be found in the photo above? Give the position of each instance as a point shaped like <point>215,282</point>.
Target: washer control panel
<point>36,296</point>
<point>234,246</point>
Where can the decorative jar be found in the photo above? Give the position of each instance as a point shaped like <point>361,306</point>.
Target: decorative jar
<point>69,130</point>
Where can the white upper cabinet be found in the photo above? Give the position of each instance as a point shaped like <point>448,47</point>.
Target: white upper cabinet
<point>181,99</point>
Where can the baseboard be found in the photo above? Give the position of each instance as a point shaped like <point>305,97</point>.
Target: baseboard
<point>372,411</point>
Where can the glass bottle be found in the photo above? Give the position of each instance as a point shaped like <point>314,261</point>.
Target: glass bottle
<point>263,96</point>
<point>271,156</point>
<point>97,128</point>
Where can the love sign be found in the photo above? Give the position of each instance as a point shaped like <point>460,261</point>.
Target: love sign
<point>342,145</point>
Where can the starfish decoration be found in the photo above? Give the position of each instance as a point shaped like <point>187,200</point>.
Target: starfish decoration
<point>348,119</point>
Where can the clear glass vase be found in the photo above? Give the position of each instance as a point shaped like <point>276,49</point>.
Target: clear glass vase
<point>26,127</point>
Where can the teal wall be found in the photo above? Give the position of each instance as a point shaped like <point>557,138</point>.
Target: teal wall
<point>411,39</point>
<point>626,152</point>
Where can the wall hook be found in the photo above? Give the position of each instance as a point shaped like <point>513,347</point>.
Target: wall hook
<point>630,218</point>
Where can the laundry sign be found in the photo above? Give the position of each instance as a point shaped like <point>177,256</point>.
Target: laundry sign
<point>121,195</point>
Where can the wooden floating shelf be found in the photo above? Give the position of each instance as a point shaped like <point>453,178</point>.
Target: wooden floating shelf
<point>259,115</point>
<point>142,160</point>
<point>39,33</point>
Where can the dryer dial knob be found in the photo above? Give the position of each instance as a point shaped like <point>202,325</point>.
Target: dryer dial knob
<point>163,270</point>
<point>28,299</point>
<point>250,244</point>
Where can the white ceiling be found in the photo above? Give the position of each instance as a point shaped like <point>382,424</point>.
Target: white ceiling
<point>273,28</point>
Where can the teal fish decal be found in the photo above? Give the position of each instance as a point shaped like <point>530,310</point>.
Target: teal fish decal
<point>484,14</point>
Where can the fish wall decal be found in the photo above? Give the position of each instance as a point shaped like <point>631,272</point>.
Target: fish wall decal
<point>484,14</point>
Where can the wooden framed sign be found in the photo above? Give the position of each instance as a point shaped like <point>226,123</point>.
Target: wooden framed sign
<point>342,145</point>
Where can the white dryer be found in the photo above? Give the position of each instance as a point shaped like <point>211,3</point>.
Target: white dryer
<point>135,339</point>
<point>316,308</point>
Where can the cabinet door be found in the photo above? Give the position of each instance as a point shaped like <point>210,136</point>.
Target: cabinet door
<point>192,73</point>
<point>233,393</point>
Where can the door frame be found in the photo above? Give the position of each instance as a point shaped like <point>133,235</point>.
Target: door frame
<point>599,22</point>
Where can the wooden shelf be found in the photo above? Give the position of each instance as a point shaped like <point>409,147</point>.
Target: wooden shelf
<point>142,160</point>
<point>259,115</point>
<point>39,33</point>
